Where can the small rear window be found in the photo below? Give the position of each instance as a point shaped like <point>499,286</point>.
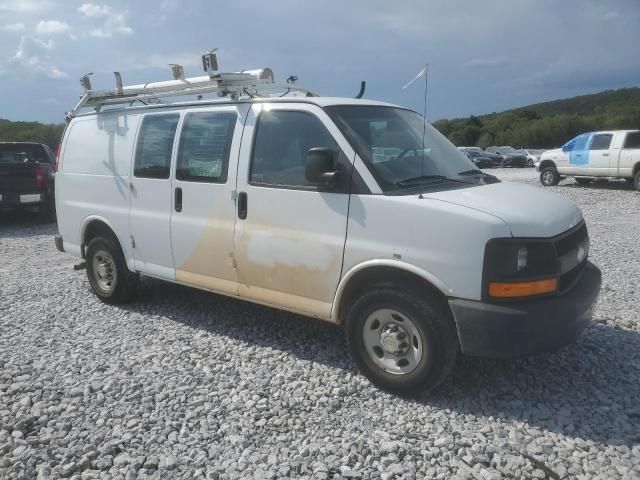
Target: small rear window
<point>632,142</point>
<point>16,152</point>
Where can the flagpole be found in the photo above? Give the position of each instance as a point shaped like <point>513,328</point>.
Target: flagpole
<point>424,114</point>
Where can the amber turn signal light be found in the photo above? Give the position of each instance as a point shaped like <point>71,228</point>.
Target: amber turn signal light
<point>522,289</point>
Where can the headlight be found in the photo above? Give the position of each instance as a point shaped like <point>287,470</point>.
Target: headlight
<point>517,268</point>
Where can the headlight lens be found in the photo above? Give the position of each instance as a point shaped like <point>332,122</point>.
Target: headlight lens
<point>517,268</point>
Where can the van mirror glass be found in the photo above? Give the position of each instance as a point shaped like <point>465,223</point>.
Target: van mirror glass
<point>320,166</point>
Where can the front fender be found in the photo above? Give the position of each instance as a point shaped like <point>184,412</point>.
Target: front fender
<point>397,264</point>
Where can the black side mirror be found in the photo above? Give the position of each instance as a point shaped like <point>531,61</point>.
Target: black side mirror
<point>320,166</point>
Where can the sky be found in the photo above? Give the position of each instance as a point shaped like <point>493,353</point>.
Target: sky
<point>483,56</point>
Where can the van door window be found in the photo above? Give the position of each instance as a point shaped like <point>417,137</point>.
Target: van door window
<point>282,140</point>
<point>155,144</point>
<point>205,141</point>
<point>632,142</point>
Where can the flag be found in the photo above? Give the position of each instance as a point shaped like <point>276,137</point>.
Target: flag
<point>422,73</point>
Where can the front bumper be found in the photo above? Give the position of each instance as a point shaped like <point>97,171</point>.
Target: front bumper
<point>530,326</point>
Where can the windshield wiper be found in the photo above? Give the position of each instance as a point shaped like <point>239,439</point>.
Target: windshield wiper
<point>427,179</point>
<point>487,176</point>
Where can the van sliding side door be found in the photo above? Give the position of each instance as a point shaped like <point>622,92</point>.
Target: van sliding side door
<point>203,205</point>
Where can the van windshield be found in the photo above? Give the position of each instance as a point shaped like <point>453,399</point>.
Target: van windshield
<point>390,141</point>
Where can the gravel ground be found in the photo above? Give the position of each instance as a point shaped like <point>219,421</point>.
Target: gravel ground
<point>184,384</point>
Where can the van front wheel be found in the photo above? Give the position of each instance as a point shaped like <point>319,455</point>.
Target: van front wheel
<point>107,271</point>
<point>636,180</point>
<point>402,341</point>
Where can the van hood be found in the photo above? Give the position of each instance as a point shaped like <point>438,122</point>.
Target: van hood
<point>528,211</point>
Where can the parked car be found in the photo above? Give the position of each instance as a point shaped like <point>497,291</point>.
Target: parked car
<point>281,202</point>
<point>480,159</point>
<point>533,155</point>
<point>496,160</point>
<point>510,156</point>
<point>27,177</point>
<point>594,155</point>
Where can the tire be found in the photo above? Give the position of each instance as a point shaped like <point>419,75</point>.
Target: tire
<point>636,180</point>
<point>107,271</point>
<point>584,181</point>
<point>503,164</point>
<point>549,177</point>
<point>421,316</point>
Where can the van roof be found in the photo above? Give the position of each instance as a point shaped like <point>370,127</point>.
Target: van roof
<point>319,101</point>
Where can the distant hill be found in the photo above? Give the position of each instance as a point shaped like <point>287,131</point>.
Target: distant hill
<point>548,124</point>
<point>49,134</point>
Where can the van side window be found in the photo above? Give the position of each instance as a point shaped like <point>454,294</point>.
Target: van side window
<point>205,141</point>
<point>281,143</point>
<point>632,142</point>
<point>601,141</point>
<point>155,144</point>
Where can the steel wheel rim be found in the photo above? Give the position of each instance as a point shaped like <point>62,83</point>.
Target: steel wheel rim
<point>392,341</point>
<point>104,271</point>
<point>547,177</point>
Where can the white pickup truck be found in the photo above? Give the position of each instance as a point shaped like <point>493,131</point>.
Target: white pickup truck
<point>608,154</point>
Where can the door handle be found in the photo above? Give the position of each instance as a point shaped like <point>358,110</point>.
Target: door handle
<point>178,199</point>
<point>242,205</point>
<point>605,154</point>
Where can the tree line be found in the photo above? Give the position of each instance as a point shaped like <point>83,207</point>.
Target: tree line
<point>547,125</point>
<point>49,134</point>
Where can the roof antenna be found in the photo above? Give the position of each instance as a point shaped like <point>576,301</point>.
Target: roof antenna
<point>363,84</point>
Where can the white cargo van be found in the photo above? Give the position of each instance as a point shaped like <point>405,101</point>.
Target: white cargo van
<point>609,154</point>
<point>334,208</point>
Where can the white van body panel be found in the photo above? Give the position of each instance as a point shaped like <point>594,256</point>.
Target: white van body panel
<point>444,241</point>
<point>94,176</point>
<point>524,208</point>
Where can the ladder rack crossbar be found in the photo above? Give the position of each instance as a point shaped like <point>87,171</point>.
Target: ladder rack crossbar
<point>234,85</point>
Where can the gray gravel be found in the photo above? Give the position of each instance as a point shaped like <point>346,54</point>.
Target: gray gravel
<point>183,384</point>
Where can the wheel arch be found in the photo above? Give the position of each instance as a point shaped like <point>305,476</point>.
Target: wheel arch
<point>371,272</point>
<point>636,169</point>
<point>94,226</point>
<point>547,163</point>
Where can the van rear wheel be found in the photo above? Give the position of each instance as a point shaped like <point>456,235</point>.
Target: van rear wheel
<point>549,177</point>
<point>400,340</point>
<point>107,271</point>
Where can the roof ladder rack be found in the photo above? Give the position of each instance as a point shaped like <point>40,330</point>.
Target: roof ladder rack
<point>247,83</point>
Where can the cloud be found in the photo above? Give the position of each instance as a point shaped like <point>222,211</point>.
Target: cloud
<point>34,58</point>
<point>114,25</point>
<point>52,26</point>
<point>93,10</point>
<point>24,6</point>
<point>612,15</point>
<point>486,62</point>
<point>13,27</point>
